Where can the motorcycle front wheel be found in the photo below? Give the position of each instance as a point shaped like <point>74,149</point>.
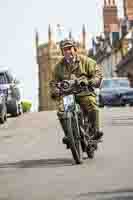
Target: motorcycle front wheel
<point>74,140</point>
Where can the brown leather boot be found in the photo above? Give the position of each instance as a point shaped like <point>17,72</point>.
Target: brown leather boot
<point>94,119</point>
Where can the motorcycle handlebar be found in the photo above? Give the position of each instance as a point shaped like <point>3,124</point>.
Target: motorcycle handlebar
<point>65,84</point>
<point>73,86</point>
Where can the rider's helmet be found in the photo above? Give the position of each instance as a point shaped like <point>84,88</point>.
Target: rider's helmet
<point>67,43</point>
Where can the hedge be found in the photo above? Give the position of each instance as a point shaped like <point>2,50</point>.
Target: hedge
<point>26,106</point>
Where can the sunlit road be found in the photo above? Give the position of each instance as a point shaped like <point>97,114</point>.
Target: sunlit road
<point>34,164</point>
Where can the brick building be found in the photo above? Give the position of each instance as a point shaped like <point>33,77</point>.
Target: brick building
<point>125,66</point>
<point>114,51</point>
<point>107,51</point>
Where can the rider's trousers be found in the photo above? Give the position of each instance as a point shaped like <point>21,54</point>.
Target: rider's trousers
<point>89,105</point>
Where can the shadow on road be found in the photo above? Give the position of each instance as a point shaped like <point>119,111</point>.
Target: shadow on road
<point>121,121</point>
<point>57,162</point>
<point>121,194</point>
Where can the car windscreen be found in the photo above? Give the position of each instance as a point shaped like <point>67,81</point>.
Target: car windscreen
<point>2,79</point>
<point>115,83</point>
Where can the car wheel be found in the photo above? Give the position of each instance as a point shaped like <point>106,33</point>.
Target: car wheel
<point>3,117</point>
<point>101,104</point>
<point>20,109</point>
<point>123,104</point>
<point>2,120</point>
<point>15,113</point>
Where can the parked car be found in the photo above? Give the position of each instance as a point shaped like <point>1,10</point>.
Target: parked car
<point>3,109</point>
<point>10,86</point>
<point>115,92</point>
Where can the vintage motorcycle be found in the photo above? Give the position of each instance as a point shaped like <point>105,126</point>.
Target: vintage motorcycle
<point>79,129</point>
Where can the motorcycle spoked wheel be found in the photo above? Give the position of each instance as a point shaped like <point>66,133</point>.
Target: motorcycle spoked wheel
<point>77,135</point>
<point>74,139</point>
<point>92,146</point>
<point>86,146</point>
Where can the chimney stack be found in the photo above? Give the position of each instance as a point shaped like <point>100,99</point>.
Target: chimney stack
<point>110,16</point>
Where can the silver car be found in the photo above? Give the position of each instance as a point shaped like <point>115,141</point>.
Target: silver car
<point>13,97</point>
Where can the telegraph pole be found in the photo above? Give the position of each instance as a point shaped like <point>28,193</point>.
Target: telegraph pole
<point>124,6</point>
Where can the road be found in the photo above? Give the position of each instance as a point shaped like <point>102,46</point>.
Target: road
<point>34,164</point>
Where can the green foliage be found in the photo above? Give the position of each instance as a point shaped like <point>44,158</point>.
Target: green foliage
<point>26,106</point>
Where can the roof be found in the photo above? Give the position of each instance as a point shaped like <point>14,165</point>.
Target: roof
<point>3,69</point>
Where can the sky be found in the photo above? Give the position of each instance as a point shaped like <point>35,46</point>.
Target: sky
<point>20,18</point>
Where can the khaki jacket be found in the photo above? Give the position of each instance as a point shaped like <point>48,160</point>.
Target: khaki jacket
<point>83,66</point>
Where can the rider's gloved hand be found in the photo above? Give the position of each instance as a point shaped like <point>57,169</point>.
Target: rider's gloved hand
<point>55,94</point>
<point>73,77</point>
<point>54,91</point>
<point>83,79</point>
<point>80,79</point>
<point>91,83</point>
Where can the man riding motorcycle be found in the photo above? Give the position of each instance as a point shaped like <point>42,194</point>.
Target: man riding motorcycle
<point>80,68</point>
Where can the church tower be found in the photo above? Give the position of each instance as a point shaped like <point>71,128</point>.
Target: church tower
<point>83,37</point>
<point>48,54</point>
